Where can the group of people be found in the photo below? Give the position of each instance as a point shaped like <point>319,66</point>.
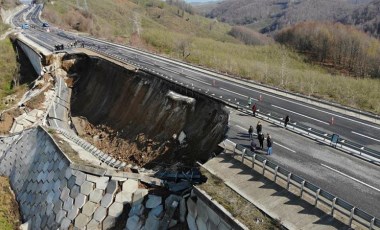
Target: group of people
<point>259,131</point>
<point>261,138</point>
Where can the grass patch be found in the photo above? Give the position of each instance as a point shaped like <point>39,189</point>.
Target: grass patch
<point>3,28</point>
<point>8,67</point>
<point>9,213</point>
<point>239,207</point>
<point>206,42</point>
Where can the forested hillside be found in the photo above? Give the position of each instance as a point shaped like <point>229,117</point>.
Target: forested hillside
<point>343,47</point>
<point>173,29</point>
<point>271,15</point>
<point>367,18</point>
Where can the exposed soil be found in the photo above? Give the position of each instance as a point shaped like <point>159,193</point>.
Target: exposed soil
<point>139,150</point>
<point>9,211</point>
<point>133,116</point>
<point>36,102</point>
<point>6,120</point>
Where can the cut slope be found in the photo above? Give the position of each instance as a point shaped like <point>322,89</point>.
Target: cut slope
<point>135,116</point>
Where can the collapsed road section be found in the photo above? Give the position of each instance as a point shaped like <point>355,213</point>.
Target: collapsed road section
<point>61,181</point>
<point>138,118</point>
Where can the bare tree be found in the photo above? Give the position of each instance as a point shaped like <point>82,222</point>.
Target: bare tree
<point>136,23</point>
<point>183,47</point>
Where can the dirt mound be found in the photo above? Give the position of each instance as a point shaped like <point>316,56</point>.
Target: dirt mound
<point>134,115</point>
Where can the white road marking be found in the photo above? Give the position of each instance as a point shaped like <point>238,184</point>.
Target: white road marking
<point>311,118</point>
<point>198,80</point>
<point>365,136</point>
<point>240,86</point>
<point>352,178</point>
<point>241,127</point>
<point>235,93</point>
<point>291,150</point>
<point>287,100</point>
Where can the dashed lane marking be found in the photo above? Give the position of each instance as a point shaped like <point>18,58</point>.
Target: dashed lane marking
<point>291,150</point>
<point>350,177</point>
<point>236,93</point>
<point>311,118</point>
<point>365,136</point>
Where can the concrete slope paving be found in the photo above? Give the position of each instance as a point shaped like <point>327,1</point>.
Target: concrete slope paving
<point>271,198</point>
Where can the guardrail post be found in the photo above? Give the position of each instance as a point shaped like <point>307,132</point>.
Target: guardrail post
<point>242,155</point>
<point>253,160</point>
<point>333,206</point>
<point>351,216</point>
<point>372,224</point>
<point>302,187</point>
<point>264,164</point>
<point>317,197</point>
<point>275,173</point>
<point>288,181</point>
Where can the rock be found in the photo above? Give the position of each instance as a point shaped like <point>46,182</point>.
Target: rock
<point>95,138</point>
<point>170,199</point>
<point>133,223</point>
<point>137,210</point>
<point>153,201</point>
<point>152,222</point>
<point>156,212</point>
<point>172,223</point>
<point>139,195</point>
<point>26,226</point>
<point>191,222</point>
<point>182,210</point>
<point>176,187</point>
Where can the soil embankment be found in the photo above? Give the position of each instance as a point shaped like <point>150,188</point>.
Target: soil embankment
<point>133,115</point>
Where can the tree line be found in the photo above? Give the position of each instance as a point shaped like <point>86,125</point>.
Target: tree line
<point>342,47</point>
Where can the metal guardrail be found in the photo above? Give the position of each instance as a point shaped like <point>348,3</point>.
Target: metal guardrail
<point>104,157</point>
<point>335,203</point>
<point>325,137</point>
<point>342,144</point>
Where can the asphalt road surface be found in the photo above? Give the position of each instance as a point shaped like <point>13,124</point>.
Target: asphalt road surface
<point>348,177</point>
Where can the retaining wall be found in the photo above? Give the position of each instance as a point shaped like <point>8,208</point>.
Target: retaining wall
<point>53,194</point>
<point>34,57</point>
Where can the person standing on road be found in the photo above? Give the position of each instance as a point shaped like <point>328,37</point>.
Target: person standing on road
<point>286,121</point>
<point>259,128</point>
<point>261,138</point>
<point>250,132</point>
<point>269,144</point>
<point>253,145</point>
<point>254,108</point>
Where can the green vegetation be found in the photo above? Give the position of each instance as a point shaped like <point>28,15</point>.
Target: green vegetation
<point>8,67</point>
<point>9,213</point>
<point>3,27</point>
<point>157,26</point>
<point>239,207</point>
<point>342,47</point>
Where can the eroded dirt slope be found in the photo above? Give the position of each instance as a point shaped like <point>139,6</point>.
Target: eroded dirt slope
<point>133,115</point>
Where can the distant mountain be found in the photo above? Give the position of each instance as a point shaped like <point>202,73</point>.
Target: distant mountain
<point>366,17</point>
<point>271,15</point>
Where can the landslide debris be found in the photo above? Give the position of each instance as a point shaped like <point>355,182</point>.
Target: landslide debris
<point>137,118</point>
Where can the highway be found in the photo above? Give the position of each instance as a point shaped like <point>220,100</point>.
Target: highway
<point>353,180</point>
<point>348,177</point>
<point>350,128</point>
